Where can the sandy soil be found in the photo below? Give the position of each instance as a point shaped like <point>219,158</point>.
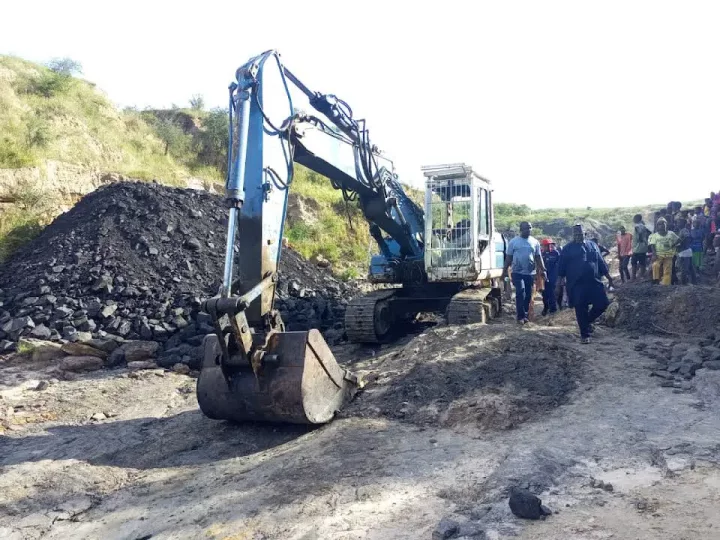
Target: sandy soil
<point>450,420</point>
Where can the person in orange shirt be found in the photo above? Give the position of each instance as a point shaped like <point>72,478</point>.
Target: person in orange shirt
<point>625,251</point>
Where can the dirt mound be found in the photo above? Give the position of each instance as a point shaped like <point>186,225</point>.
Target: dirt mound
<point>135,260</point>
<point>668,310</point>
<point>487,377</point>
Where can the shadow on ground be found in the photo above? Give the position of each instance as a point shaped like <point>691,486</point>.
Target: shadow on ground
<point>184,439</point>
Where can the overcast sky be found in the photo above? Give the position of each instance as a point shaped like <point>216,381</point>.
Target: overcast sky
<point>557,103</point>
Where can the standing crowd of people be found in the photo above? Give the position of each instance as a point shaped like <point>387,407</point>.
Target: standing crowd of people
<point>676,248</point>
<point>673,252</point>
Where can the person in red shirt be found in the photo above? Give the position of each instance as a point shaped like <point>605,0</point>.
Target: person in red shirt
<point>625,251</point>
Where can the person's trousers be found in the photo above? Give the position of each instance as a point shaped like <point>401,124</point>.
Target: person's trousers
<point>674,280</point>
<point>549,298</point>
<point>590,301</point>
<point>687,270</point>
<point>697,259</point>
<point>639,261</point>
<point>662,268</point>
<point>624,270</point>
<point>523,294</point>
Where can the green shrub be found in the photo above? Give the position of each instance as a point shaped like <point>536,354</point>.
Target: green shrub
<point>37,132</point>
<point>14,155</point>
<point>176,141</point>
<point>211,142</point>
<point>349,273</point>
<point>50,84</point>
<point>17,227</point>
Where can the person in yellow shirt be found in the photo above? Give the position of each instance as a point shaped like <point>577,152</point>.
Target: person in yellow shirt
<point>663,244</point>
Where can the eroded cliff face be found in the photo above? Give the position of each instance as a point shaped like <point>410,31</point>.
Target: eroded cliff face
<point>62,184</point>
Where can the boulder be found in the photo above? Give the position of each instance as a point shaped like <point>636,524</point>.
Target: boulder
<point>141,364</point>
<point>525,505</point>
<point>447,528</point>
<point>40,332</point>
<point>82,349</point>
<point>139,350</point>
<point>81,363</point>
<point>107,345</point>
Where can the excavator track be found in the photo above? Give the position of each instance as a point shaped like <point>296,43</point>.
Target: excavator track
<point>472,306</point>
<point>368,318</point>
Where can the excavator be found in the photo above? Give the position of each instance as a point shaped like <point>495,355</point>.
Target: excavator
<point>445,258</point>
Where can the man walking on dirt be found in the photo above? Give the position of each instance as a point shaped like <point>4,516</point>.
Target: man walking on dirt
<point>581,268</point>
<point>523,253</point>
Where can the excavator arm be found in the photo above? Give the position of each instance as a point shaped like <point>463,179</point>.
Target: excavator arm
<point>253,369</point>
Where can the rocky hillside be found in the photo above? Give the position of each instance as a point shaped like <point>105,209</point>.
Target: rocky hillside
<point>51,115</point>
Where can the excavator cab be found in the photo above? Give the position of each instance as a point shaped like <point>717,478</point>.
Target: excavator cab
<point>464,246</point>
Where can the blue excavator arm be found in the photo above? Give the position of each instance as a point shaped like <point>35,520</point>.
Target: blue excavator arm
<point>260,169</point>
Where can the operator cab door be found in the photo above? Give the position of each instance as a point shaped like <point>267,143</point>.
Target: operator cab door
<point>482,229</point>
<point>489,243</point>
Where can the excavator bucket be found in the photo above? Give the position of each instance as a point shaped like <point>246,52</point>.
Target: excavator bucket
<point>299,382</point>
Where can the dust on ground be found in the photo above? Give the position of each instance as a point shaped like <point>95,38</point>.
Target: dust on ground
<point>450,420</point>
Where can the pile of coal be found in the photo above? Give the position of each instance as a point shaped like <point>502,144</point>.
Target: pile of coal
<point>133,261</point>
<point>677,363</point>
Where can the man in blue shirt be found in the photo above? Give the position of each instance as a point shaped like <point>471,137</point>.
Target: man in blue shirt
<point>581,269</point>
<point>523,253</point>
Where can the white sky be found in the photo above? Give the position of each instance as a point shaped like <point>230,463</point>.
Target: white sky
<point>558,103</point>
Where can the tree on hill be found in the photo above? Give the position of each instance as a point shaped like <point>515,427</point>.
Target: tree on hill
<point>175,139</point>
<point>65,66</point>
<point>212,141</point>
<point>197,102</point>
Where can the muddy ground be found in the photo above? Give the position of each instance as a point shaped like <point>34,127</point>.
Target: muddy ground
<point>449,421</point>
